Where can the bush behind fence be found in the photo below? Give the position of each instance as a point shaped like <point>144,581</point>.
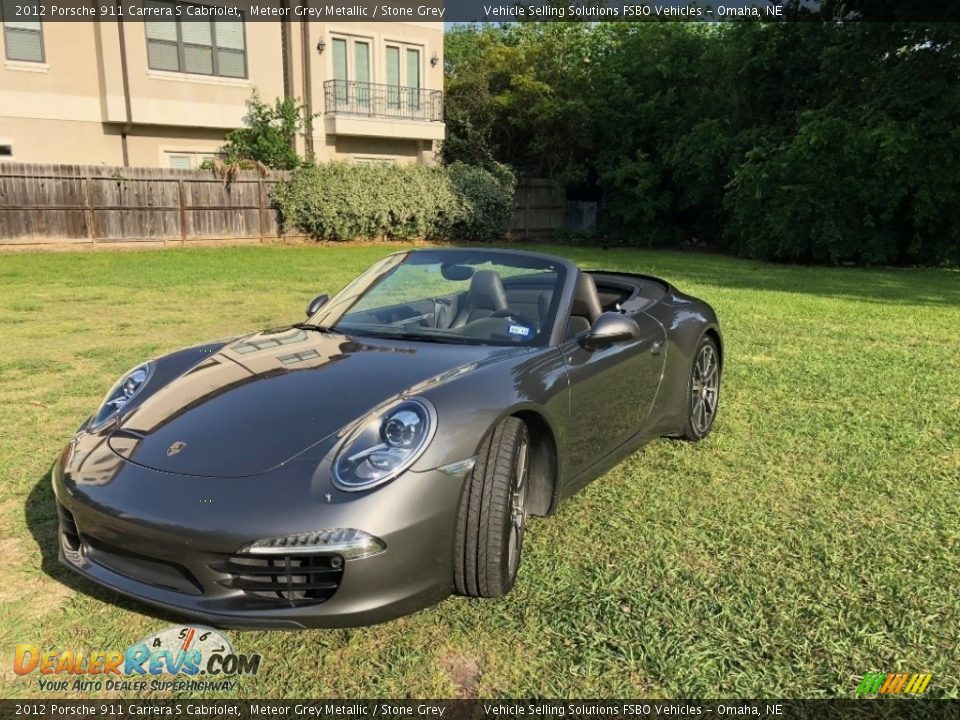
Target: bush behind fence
<point>102,205</point>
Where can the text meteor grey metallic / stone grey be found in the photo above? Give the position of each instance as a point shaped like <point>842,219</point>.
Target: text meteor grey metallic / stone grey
<point>388,451</point>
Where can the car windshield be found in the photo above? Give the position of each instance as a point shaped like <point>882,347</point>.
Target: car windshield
<point>451,296</point>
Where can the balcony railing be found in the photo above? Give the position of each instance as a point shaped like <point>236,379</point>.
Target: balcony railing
<point>394,102</point>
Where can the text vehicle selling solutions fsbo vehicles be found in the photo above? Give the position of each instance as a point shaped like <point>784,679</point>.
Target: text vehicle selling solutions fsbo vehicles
<point>386,452</point>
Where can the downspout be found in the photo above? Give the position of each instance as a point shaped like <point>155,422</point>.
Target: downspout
<point>285,51</point>
<point>126,87</point>
<point>286,57</point>
<point>307,87</point>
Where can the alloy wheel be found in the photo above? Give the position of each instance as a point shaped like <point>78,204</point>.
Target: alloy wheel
<point>704,389</point>
<point>518,506</point>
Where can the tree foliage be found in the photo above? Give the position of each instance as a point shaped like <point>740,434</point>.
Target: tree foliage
<point>269,136</point>
<point>814,141</point>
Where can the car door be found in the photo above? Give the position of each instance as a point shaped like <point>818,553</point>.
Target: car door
<point>612,390</point>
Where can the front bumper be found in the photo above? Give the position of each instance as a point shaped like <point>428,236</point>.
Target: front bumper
<point>165,539</point>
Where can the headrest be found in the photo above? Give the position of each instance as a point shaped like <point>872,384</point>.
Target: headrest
<point>486,292</point>
<point>586,300</point>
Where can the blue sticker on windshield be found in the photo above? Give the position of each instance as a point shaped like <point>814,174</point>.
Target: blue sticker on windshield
<point>519,330</point>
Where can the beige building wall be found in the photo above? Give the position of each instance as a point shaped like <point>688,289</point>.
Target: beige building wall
<point>338,137</point>
<point>76,107</point>
<point>52,111</point>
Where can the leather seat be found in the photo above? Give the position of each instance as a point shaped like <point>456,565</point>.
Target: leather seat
<point>485,297</point>
<point>586,305</point>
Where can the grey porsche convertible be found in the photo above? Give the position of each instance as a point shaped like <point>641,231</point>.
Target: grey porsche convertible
<point>387,451</point>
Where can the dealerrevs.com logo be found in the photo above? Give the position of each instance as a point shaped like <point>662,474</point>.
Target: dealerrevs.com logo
<point>158,662</point>
<point>880,683</point>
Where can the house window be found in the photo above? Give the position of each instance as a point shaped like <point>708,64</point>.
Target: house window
<point>351,71</point>
<point>373,160</point>
<point>199,47</point>
<point>6,150</point>
<point>22,32</point>
<point>188,160</point>
<point>403,76</point>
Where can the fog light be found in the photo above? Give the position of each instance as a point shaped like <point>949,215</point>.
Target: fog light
<point>347,542</point>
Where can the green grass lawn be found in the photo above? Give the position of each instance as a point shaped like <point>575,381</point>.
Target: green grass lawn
<point>814,537</point>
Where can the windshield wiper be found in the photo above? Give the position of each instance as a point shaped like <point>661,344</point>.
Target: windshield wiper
<point>435,337</point>
<point>311,326</point>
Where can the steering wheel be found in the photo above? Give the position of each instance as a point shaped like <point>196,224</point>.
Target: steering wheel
<point>518,317</point>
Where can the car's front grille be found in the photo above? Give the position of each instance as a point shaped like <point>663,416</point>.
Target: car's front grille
<point>68,529</point>
<point>296,579</point>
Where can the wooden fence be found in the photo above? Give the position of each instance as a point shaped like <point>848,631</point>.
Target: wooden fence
<point>100,204</point>
<point>90,204</point>
<point>538,210</point>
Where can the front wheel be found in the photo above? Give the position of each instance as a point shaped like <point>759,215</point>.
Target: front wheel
<point>492,516</point>
<point>703,390</point>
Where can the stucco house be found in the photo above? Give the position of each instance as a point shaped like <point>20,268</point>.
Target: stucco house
<point>164,94</point>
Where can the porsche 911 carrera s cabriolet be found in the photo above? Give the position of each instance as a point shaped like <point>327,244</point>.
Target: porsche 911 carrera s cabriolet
<point>387,451</point>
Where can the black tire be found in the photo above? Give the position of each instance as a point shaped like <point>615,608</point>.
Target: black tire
<point>703,391</point>
<point>491,519</point>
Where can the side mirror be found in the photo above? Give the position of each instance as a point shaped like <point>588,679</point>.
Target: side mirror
<point>610,328</point>
<point>318,302</point>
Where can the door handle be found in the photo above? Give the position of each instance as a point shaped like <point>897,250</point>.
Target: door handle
<point>656,347</point>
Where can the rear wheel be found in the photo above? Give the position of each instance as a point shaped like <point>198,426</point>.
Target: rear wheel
<point>703,390</point>
<point>492,517</point>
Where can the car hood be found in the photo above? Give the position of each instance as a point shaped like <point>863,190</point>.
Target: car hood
<point>267,398</point>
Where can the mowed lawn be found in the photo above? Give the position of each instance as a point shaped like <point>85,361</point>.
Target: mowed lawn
<point>814,537</point>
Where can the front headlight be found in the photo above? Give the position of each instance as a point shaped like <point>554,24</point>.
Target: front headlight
<point>123,392</point>
<point>384,446</point>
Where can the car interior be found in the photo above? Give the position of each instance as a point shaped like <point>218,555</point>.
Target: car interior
<point>517,308</point>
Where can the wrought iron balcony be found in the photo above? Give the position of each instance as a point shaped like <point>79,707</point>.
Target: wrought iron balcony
<point>392,102</point>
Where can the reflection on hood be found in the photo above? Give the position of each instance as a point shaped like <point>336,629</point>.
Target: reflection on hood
<point>262,400</point>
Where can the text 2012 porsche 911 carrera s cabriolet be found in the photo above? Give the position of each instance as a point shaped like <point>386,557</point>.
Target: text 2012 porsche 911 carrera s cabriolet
<point>368,462</point>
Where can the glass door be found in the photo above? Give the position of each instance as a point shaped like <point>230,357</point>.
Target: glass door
<point>351,74</point>
<point>403,79</point>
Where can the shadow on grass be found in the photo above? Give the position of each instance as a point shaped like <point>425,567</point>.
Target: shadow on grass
<point>906,286</point>
<point>898,287</point>
<point>41,516</point>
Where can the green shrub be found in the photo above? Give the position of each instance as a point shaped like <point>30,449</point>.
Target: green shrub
<point>345,201</point>
<point>269,137</point>
<point>484,201</point>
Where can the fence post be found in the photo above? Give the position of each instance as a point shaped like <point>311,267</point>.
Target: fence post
<point>183,211</point>
<point>260,208</point>
<point>88,197</point>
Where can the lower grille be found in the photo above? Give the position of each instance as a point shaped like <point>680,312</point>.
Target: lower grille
<point>149,570</point>
<point>68,529</point>
<point>296,579</point>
